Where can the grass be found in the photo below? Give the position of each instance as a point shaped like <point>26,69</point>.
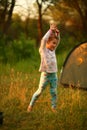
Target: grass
<point>19,82</point>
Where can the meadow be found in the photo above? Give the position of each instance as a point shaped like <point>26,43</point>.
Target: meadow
<point>19,82</point>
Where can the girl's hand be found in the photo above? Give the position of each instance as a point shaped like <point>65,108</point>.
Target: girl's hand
<point>53,27</point>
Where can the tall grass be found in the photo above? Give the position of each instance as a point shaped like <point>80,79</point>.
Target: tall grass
<point>19,82</point>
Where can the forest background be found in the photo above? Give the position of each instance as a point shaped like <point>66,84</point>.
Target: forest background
<point>22,30</point>
<point>22,25</point>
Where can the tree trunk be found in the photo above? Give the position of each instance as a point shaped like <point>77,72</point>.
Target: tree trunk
<point>39,24</point>
<point>8,21</point>
<point>4,13</point>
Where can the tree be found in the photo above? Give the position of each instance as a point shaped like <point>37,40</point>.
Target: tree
<point>81,7</point>
<point>41,11</point>
<point>3,10</point>
<point>39,19</point>
<point>6,10</point>
<point>10,11</point>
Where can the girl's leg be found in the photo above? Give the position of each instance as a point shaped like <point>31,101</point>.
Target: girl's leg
<point>53,90</point>
<point>43,83</point>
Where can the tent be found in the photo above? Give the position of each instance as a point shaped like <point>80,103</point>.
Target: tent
<point>74,70</point>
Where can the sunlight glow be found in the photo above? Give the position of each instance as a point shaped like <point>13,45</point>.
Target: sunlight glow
<point>24,8</point>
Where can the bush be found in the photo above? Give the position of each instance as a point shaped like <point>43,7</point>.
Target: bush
<point>16,50</point>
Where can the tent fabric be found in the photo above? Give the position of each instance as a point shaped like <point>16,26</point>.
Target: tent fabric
<point>74,71</point>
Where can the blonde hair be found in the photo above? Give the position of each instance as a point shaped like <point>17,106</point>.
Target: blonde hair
<point>53,22</point>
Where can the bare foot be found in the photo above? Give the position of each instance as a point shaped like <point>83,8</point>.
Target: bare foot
<point>54,110</point>
<point>29,109</point>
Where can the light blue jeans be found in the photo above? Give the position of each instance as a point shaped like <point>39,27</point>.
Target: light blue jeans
<point>45,79</point>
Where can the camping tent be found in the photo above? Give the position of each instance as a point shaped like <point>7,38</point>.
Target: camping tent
<point>74,71</point>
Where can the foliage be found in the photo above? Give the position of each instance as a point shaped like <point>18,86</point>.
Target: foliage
<point>13,51</point>
<point>81,7</point>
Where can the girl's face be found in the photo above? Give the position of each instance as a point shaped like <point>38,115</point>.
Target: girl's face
<point>51,45</point>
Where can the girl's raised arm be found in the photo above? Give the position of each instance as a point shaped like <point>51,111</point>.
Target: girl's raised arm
<point>44,40</point>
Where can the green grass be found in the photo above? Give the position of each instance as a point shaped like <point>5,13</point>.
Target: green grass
<point>19,82</point>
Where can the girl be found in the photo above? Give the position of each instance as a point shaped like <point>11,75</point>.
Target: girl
<point>48,67</point>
